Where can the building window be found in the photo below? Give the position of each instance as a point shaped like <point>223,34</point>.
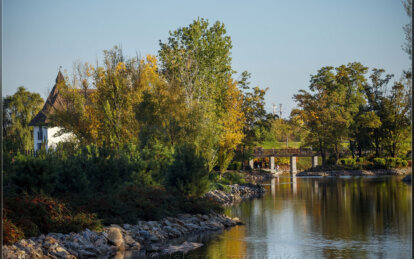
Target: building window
<point>40,134</point>
<point>39,146</point>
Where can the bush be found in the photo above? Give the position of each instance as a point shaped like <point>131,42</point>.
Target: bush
<point>235,165</point>
<point>404,163</point>
<point>379,162</point>
<point>390,162</point>
<point>221,187</point>
<point>11,233</point>
<point>360,159</point>
<point>133,203</point>
<point>348,161</point>
<point>33,174</point>
<point>38,214</point>
<point>233,178</point>
<point>188,173</point>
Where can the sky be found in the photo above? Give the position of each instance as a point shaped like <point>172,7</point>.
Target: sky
<point>281,43</point>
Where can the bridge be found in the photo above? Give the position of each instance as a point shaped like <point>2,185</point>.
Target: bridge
<point>293,153</point>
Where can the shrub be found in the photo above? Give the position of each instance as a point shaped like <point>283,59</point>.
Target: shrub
<point>133,203</point>
<point>233,178</point>
<point>11,233</point>
<point>348,161</point>
<point>360,159</point>
<point>235,165</point>
<point>331,160</point>
<point>390,162</point>
<point>188,173</point>
<point>379,162</point>
<point>221,187</point>
<point>351,162</point>
<point>33,174</point>
<point>404,163</point>
<point>43,214</point>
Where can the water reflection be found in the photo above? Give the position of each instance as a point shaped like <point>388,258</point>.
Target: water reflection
<point>327,217</point>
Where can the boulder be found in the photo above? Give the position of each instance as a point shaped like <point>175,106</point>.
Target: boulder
<point>115,236</point>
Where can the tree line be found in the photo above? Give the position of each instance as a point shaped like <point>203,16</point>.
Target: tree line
<point>345,110</point>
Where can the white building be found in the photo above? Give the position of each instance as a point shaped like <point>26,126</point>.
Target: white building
<point>44,131</point>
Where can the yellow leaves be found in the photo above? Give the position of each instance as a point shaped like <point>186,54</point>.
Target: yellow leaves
<point>120,67</point>
<point>149,72</point>
<point>89,69</point>
<point>152,62</point>
<point>234,119</point>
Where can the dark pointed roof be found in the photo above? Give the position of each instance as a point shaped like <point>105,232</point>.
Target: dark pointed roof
<point>60,78</point>
<point>53,101</point>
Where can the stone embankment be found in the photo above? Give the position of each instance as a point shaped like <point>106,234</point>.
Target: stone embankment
<point>257,176</point>
<point>148,237</point>
<point>236,194</point>
<point>396,171</point>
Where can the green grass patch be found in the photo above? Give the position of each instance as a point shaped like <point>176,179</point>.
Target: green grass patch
<point>279,145</point>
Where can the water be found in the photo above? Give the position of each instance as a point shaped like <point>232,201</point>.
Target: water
<point>319,217</point>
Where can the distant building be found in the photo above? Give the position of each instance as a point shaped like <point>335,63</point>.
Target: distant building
<point>43,131</point>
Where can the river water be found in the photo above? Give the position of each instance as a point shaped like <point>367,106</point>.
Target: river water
<point>319,217</point>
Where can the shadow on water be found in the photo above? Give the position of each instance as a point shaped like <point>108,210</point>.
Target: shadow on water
<point>318,217</point>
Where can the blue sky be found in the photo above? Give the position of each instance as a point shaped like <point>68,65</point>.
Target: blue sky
<point>281,43</point>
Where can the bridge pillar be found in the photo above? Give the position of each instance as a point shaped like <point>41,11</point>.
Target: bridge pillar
<point>272,163</point>
<point>251,164</point>
<point>293,165</point>
<point>314,161</point>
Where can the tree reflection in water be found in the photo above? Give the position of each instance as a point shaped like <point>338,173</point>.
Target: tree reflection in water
<point>321,217</point>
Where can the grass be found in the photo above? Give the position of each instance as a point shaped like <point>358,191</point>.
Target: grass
<point>279,145</point>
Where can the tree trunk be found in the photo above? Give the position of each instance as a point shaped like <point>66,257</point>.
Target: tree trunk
<point>321,149</point>
<point>336,152</point>
<point>352,148</point>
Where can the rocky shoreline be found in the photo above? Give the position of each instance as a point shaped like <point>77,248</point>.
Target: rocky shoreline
<point>396,171</point>
<point>146,238</point>
<point>257,176</point>
<point>236,194</point>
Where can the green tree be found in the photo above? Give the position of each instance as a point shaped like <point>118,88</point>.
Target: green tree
<point>375,93</point>
<point>396,120</point>
<point>257,121</point>
<point>197,60</point>
<point>329,110</point>
<point>18,110</point>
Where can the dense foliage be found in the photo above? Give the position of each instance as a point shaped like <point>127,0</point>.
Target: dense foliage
<point>66,190</point>
<point>343,107</point>
<point>18,110</point>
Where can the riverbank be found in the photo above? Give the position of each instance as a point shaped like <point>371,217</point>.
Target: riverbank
<point>236,193</point>
<point>256,176</point>
<point>395,171</point>
<point>147,237</point>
